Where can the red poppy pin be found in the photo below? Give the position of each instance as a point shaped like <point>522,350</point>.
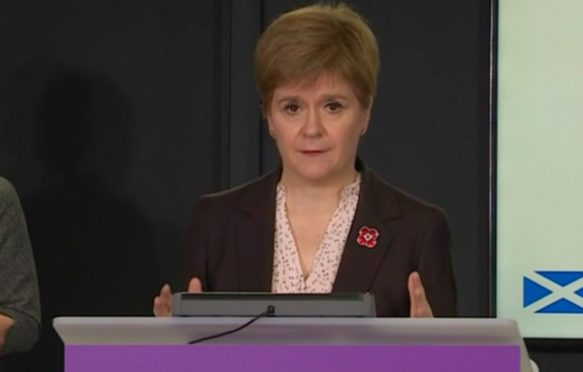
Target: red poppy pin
<point>367,237</point>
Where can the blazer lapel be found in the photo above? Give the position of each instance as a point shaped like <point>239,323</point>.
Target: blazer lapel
<point>359,264</point>
<point>255,227</point>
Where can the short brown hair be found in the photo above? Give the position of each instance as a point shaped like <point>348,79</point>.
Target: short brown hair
<point>322,38</point>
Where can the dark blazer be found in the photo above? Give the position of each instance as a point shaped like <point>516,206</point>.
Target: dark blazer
<point>232,233</point>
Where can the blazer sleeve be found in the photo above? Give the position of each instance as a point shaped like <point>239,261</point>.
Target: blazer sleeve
<point>436,269</point>
<point>198,242</point>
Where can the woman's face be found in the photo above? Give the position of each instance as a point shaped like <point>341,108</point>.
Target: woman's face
<point>316,128</point>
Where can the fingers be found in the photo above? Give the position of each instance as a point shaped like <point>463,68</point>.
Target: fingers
<point>163,302</point>
<point>195,286</point>
<point>420,307</point>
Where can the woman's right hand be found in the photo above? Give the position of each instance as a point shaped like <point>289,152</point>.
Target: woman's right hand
<point>163,302</point>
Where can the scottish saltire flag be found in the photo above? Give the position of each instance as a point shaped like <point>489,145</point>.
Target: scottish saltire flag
<point>553,292</point>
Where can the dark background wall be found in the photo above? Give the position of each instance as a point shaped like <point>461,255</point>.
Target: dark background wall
<point>116,116</point>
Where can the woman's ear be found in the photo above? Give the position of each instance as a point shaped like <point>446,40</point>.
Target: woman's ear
<point>266,113</point>
<point>267,117</point>
<point>366,118</point>
<point>270,129</point>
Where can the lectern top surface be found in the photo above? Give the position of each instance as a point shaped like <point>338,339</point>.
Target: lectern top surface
<point>150,330</point>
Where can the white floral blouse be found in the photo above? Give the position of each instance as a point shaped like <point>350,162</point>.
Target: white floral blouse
<point>287,270</point>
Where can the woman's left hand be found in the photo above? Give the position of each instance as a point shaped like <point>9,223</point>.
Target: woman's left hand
<point>420,308</point>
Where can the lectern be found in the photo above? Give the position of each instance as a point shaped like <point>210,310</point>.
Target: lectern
<point>148,344</point>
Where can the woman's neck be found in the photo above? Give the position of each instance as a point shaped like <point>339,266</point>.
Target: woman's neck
<point>310,196</point>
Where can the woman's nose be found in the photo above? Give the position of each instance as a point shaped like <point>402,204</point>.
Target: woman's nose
<point>313,124</point>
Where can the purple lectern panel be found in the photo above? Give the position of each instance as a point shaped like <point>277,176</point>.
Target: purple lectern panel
<point>397,358</point>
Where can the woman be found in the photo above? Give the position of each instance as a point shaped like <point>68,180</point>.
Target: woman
<point>19,299</point>
<point>322,222</point>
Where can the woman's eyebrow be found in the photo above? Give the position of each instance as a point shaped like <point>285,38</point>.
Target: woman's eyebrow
<point>287,99</point>
<point>332,96</point>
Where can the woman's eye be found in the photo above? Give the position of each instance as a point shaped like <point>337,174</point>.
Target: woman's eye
<point>291,108</point>
<point>334,106</point>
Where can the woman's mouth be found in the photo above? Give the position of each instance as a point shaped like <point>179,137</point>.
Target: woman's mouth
<point>312,152</point>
